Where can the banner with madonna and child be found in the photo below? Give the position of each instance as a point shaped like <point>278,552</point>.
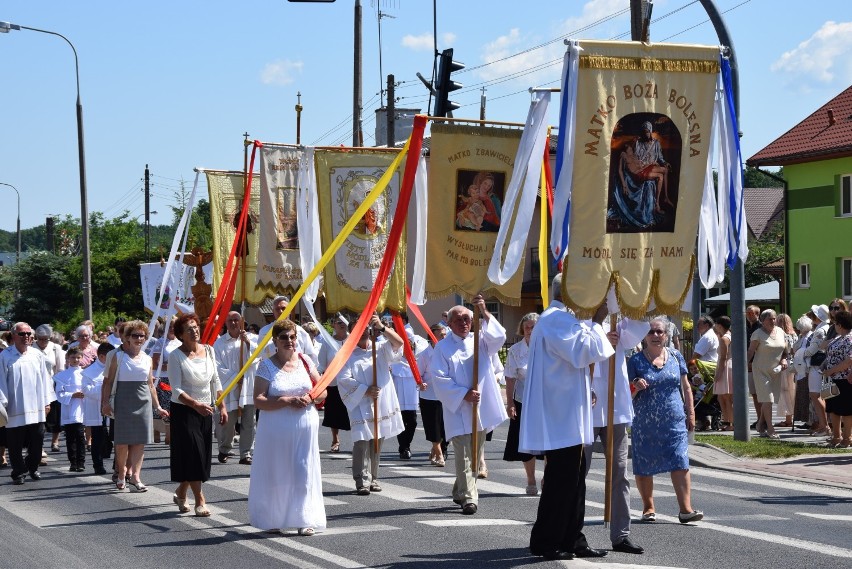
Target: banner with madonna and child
<point>633,174</point>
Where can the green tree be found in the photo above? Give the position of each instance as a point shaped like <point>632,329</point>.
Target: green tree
<point>755,178</point>
<point>45,292</point>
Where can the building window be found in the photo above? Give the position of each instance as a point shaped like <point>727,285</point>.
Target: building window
<point>491,306</point>
<point>803,275</point>
<point>846,195</point>
<point>846,278</point>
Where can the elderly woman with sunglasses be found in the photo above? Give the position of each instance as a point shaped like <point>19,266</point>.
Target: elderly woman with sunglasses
<point>663,418</point>
<point>128,394</point>
<point>285,489</point>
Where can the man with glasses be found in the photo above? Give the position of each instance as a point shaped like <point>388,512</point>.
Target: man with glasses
<point>26,391</point>
<point>304,343</point>
<point>451,368</point>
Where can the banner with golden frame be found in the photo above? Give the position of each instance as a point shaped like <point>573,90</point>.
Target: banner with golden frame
<point>226,199</point>
<point>641,139</point>
<point>278,265</point>
<point>469,171</point>
<point>344,178</point>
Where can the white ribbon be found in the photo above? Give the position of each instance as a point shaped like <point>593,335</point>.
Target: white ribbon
<point>521,194</point>
<point>421,199</point>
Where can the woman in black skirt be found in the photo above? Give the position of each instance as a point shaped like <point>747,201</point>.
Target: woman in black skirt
<point>335,416</point>
<point>431,410</point>
<point>516,373</point>
<point>195,383</point>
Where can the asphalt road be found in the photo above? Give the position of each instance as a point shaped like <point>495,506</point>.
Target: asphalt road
<point>70,520</point>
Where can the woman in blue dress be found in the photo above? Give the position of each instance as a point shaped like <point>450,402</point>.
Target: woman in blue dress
<point>663,417</point>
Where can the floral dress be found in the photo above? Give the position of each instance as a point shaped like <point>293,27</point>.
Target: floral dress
<point>659,426</point>
<point>839,350</point>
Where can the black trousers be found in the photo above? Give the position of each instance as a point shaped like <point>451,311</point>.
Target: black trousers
<point>75,442</point>
<point>409,421</point>
<point>562,506</point>
<point>99,439</point>
<point>19,438</point>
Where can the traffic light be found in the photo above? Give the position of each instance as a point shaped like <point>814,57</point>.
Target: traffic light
<point>445,85</point>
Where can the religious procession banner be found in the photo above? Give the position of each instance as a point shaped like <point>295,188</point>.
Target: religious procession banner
<point>344,178</point>
<point>178,291</point>
<point>278,265</point>
<point>226,191</point>
<point>469,172</point>
<point>640,139</point>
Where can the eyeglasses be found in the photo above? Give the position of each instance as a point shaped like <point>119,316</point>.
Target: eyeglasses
<point>25,334</point>
<point>834,307</point>
<point>137,336</point>
<point>291,337</point>
<point>656,332</point>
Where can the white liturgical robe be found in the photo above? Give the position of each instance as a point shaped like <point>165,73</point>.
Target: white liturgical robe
<point>353,381</point>
<point>557,395</point>
<point>229,363</point>
<point>451,370</point>
<point>630,333</point>
<point>68,382</point>
<point>25,386</point>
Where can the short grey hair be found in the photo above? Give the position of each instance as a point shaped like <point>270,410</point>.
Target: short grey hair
<point>556,288</point>
<point>44,331</point>
<point>458,310</point>
<point>279,298</point>
<point>804,324</point>
<point>81,327</point>
<point>664,320</point>
<point>766,313</point>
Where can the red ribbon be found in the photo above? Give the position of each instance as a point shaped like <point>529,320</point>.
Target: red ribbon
<point>415,310</point>
<point>399,327</point>
<point>387,261</point>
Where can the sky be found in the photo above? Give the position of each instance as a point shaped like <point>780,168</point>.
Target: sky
<point>175,84</point>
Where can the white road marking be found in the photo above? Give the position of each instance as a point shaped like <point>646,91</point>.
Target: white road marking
<point>470,522</point>
<point>831,517</point>
<point>774,483</point>
<point>389,490</point>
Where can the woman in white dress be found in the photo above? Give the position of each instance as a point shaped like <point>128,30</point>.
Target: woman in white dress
<point>285,489</point>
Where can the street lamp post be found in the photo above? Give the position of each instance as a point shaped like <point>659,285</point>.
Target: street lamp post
<point>86,285</point>
<point>18,250</point>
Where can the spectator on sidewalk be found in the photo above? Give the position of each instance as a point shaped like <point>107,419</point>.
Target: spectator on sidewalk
<point>814,356</point>
<point>836,366</point>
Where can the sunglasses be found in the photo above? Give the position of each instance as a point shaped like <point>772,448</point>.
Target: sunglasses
<point>291,337</point>
<point>137,336</point>
<point>656,332</point>
<point>834,307</point>
<point>25,334</point>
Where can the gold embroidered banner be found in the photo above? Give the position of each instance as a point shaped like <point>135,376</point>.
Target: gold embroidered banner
<point>469,171</point>
<point>226,199</point>
<point>278,265</point>
<point>642,136</point>
<point>344,178</point>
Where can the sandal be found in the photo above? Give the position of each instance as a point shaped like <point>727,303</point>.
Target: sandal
<point>181,504</point>
<point>120,486</point>
<point>649,517</point>
<point>532,490</point>
<point>783,424</point>
<point>335,447</point>
<point>201,511</point>
<point>307,532</point>
<point>137,486</point>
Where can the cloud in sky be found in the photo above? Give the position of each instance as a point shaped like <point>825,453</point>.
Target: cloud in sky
<point>498,51</point>
<point>424,42</point>
<point>280,72</point>
<point>825,57</point>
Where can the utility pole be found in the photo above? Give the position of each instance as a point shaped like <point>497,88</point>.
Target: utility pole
<point>147,213</point>
<point>50,230</point>
<point>356,83</point>
<point>482,105</point>
<point>638,11</point>
<point>391,111</point>
<point>298,117</point>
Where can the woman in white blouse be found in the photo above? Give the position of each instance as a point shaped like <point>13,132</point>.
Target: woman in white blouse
<point>195,384</point>
<point>516,373</point>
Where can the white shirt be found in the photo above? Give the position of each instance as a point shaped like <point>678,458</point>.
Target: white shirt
<point>304,343</point>
<point>630,333</point>
<point>326,354</point>
<point>93,382</point>
<point>557,398</point>
<point>707,346</point>
<point>114,340</point>
<point>452,376</point>
<point>228,364</point>
<point>405,385</point>
<point>54,357</point>
<point>25,386</point>
<point>516,368</point>
<point>197,377</point>
<point>424,364</point>
<point>353,381</point>
<point>68,382</point>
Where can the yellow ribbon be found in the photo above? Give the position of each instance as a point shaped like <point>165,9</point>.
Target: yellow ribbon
<point>543,238</point>
<point>338,242</point>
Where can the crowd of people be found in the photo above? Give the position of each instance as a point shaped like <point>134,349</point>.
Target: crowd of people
<point>114,397</point>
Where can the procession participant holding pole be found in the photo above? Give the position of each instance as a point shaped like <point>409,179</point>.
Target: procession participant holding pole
<point>557,420</point>
<point>232,349</point>
<point>373,407</point>
<point>452,368</point>
<point>626,335</point>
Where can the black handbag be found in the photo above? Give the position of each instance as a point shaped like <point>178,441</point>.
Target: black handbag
<point>817,359</point>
